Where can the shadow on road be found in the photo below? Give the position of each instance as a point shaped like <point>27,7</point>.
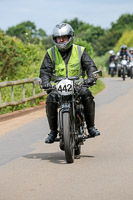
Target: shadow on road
<point>57,157</point>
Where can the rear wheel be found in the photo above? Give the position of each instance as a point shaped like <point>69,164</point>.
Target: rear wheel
<point>68,138</point>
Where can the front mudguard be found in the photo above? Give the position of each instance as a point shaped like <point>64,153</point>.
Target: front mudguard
<point>64,108</point>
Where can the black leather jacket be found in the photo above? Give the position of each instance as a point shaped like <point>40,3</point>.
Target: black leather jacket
<point>47,66</point>
<point>122,54</point>
<point>111,59</point>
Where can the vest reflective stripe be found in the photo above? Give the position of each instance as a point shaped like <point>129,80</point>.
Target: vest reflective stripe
<point>73,67</point>
<point>53,57</point>
<point>79,55</point>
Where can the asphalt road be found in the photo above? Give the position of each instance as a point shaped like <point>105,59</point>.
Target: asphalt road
<point>33,170</point>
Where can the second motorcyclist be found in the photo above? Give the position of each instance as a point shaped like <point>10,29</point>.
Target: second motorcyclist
<point>110,60</point>
<point>131,53</point>
<point>123,54</point>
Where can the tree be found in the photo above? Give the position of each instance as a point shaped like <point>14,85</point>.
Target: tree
<point>75,23</point>
<point>90,33</point>
<point>85,44</point>
<point>124,22</point>
<point>47,42</point>
<point>27,32</point>
<point>126,38</point>
<point>16,58</point>
<point>85,31</point>
<point>112,35</point>
<point>106,42</point>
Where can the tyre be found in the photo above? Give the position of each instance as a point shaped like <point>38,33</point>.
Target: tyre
<point>112,72</point>
<point>131,73</point>
<point>123,74</point>
<point>68,138</point>
<point>128,73</point>
<point>119,73</point>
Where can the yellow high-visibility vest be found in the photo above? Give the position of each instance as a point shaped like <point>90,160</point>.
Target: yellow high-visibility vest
<point>73,68</point>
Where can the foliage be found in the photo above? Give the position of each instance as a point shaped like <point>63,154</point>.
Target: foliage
<point>127,39</point>
<point>88,46</point>
<point>97,88</point>
<point>47,42</point>
<point>75,23</point>
<point>111,36</point>
<point>16,58</point>
<point>101,63</point>
<point>85,31</point>
<point>101,60</point>
<point>123,23</point>
<point>27,32</point>
<point>90,33</point>
<point>106,42</point>
<point>6,97</point>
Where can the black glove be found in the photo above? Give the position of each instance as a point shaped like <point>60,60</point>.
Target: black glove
<point>89,81</point>
<point>46,85</point>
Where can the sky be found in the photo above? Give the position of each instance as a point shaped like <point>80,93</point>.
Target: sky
<point>47,13</point>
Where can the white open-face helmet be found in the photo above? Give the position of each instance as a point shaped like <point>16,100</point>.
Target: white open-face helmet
<point>131,49</point>
<point>111,52</point>
<point>63,29</point>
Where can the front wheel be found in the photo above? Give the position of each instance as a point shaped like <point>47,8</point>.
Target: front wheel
<point>123,74</point>
<point>119,73</point>
<point>131,72</point>
<point>112,72</point>
<point>68,138</point>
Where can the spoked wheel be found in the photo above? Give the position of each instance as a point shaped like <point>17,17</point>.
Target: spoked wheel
<point>68,138</point>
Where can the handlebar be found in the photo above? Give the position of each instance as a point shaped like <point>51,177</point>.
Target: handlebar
<point>76,79</point>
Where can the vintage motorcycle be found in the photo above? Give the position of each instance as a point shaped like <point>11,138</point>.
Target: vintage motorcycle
<point>71,120</point>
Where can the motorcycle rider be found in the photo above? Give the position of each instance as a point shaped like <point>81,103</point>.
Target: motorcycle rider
<point>63,60</point>
<point>123,54</point>
<point>131,53</point>
<point>111,59</point>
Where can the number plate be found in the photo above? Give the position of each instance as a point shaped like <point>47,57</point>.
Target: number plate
<point>65,87</point>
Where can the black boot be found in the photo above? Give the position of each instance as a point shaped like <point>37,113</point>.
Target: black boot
<point>89,108</point>
<point>93,131</point>
<point>51,137</point>
<point>51,110</point>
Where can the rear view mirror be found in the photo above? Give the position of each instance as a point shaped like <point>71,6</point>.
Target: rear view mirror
<point>37,81</point>
<point>97,74</point>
